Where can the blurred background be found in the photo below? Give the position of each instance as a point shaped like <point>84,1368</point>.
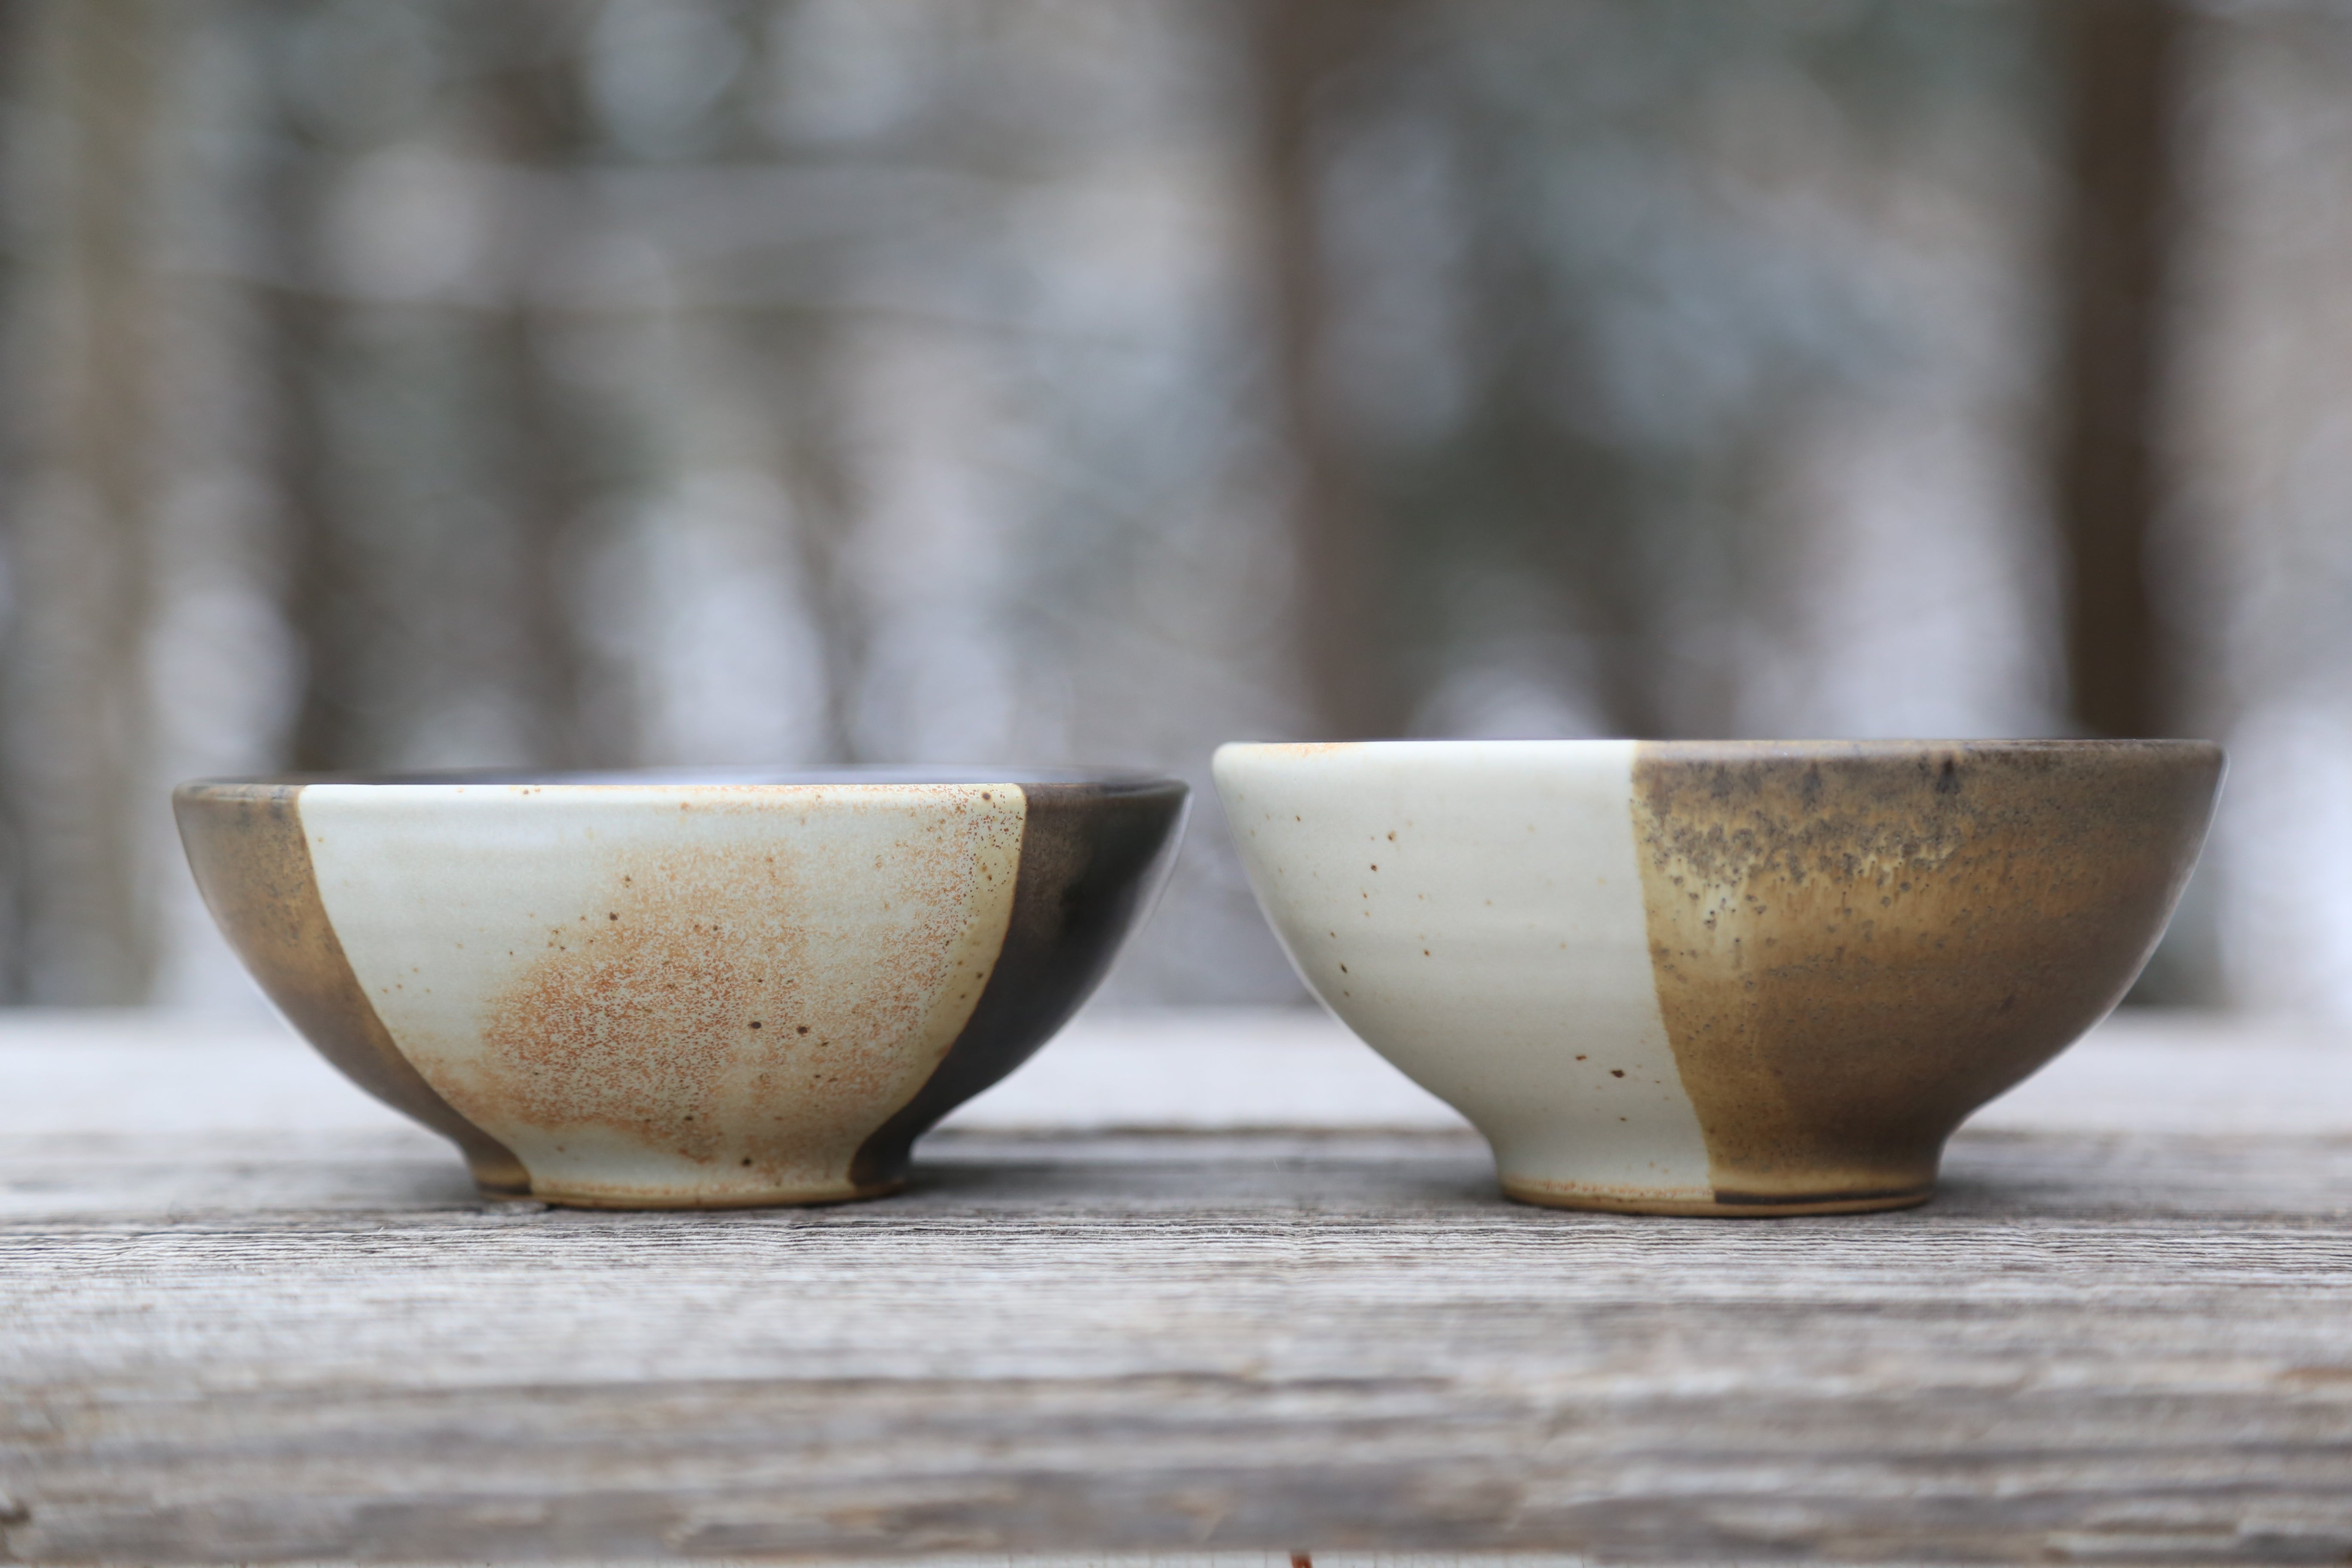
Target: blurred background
<point>400,384</point>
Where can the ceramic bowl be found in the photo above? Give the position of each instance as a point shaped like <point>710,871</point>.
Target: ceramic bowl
<point>1720,978</point>
<point>671,991</point>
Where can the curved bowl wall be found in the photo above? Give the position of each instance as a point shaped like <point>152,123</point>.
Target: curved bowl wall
<point>673,989</point>
<point>1725,978</point>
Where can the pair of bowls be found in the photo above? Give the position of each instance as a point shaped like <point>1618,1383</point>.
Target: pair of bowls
<point>1683,978</point>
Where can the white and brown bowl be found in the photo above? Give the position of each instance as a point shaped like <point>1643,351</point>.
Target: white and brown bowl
<point>1719,978</point>
<point>681,990</point>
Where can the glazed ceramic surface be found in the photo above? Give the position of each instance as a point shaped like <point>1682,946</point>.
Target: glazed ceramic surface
<point>1730,978</point>
<point>656,992</point>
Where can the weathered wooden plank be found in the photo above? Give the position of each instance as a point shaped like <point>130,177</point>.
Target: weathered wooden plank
<point>262,1322</point>
<point>2123,1347</point>
<point>134,1074</point>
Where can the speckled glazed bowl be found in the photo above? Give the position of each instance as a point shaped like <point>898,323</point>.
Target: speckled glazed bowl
<point>1714,977</point>
<point>661,991</point>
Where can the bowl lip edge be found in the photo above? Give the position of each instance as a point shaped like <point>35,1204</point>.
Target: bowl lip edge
<point>1888,747</point>
<point>589,783</point>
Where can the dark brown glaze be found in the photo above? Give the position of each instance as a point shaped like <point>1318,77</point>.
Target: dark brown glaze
<point>252,862</point>
<point>1855,944</point>
<point>1093,857</point>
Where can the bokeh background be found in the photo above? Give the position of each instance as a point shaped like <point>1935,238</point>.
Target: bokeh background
<point>390,383</point>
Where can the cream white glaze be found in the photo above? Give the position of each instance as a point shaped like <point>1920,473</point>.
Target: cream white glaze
<point>1474,912</point>
<point>672,993</point>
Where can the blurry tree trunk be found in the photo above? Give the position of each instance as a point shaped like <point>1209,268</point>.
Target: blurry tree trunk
<point>324,604</point>
<point>818,477</point>
<point>535,106</point>
<point>1299,45</point>
<point>78,731</point>
<point>546,502</point>
<point>529,107</point>
<point>1566,491</point>
<point>800,357</point>
<point>321,602</point>
<point>2122,64</point>
<point>19,69</point>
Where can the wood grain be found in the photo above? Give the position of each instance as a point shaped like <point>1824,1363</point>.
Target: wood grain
<point>2113,1347</point>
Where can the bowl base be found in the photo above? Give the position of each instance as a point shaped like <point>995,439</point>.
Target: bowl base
<point>1716,1208</point>
<point>783,1198</point>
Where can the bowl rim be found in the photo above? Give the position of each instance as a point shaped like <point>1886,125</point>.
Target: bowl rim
<point>1703,750</point>
<point>594,783</point>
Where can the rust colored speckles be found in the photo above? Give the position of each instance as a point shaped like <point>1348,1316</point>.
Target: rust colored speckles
<point>1855,946</point>
<point>252,863</point>
<point>723,1009</point>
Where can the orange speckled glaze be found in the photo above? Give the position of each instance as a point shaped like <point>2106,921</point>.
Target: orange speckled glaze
<point>645,993</point>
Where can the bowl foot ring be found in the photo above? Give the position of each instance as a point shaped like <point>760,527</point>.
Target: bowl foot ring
<point>1723,1205</point>
<point>768,1200</point>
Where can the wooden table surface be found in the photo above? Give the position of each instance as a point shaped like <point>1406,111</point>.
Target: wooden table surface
<point>1190,1282</point>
